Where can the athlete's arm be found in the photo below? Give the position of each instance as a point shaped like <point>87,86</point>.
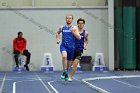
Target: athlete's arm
<point>86,40</point>
<point>75,32</point>
<point>58,35</point>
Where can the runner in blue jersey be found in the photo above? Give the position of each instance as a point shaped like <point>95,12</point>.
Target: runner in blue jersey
<point>69,34</point>
<point>80,45</point>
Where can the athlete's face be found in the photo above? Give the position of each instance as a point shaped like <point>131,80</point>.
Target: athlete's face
<point>69,19</point>
<point>81,24</point>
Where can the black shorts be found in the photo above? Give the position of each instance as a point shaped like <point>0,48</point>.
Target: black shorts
<point>77,54</point>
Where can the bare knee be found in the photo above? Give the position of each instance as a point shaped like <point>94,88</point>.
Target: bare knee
<point>64,57</point>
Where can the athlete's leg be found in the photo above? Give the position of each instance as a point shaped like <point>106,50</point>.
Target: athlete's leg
<point>70,55</point>
<point>64,60</point>
<point>77,57</point>
<point>70,63</point>
<point>75,64</point>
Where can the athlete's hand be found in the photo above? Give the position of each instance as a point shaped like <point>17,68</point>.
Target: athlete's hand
<point>58,41</point>
<point>71,29</point>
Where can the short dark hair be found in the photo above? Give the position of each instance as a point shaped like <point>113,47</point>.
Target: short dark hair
<point>69,15</point>
<point>19,33</point>
<point>81,19</point>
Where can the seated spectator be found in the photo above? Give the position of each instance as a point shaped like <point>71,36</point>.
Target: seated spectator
<point>19,47</point>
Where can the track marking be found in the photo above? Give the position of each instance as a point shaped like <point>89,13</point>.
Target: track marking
<point>110,77</point>
<point>3,81</point>
<point>92,86</point>
<point>43,83</point>
<point>14,87</point>
<point>49,83</point>
<point>14,84</point>
<point>127,84</point>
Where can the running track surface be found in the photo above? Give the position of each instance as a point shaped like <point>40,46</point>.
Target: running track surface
<point>83,82</point>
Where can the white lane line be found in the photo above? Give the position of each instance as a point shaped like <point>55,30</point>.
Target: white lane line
<point>3,81</point>
<point>127,84</point>
<point>43,84</point>
<point>14,87</point>
<point>14,84</point>
<point>49,83</point>
<point>92,86</point>
<point>109,77</point>
<point>6,79</point>
<point>96,88</point>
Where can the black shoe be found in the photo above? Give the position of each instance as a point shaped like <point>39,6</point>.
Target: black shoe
<point>27,68</point>
<point>66,77</point>
<point>63,75</point>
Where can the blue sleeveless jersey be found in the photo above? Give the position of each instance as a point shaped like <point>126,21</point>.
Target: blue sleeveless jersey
<point>79,44</point>
<point>68,39</point>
